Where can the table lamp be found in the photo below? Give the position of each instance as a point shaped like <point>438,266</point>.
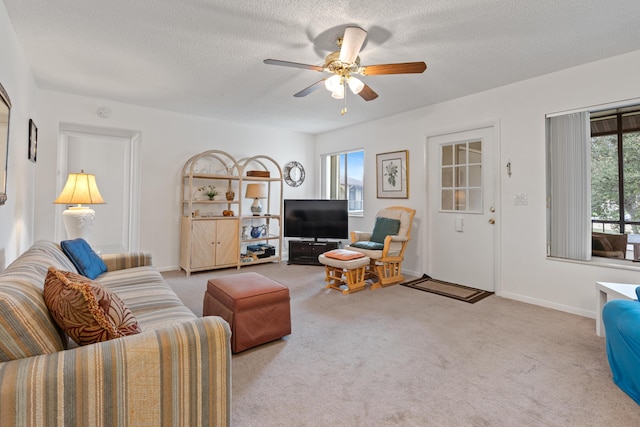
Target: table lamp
<point>80,189</point>
<point>256,192</point>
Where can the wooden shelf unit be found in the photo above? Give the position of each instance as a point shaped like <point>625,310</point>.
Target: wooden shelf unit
<point>208,238</point>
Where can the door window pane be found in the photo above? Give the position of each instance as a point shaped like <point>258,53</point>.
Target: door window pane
<point>461,185</point>
<point>447,177</point>
<point>447,155</point>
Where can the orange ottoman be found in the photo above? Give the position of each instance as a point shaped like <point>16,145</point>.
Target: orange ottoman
<point>256,308</point>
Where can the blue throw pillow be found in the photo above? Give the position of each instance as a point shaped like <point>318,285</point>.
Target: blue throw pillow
<point>384,227</point>
<point>372,246</point>
<point>88,263</point>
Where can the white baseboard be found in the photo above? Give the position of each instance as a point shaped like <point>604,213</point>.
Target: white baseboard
<point>548,304</point>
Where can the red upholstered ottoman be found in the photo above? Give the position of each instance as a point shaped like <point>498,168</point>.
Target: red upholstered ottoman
<point>256,308</point>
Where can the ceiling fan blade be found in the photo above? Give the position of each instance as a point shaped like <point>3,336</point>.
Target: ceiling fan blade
<point>306,91</point>
<point>367,93</point>
<point>351,43</point>
<point>400,68</point>
<point>293,64</point>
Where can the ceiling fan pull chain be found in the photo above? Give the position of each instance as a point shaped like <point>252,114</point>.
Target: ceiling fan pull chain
<point>344,109</point>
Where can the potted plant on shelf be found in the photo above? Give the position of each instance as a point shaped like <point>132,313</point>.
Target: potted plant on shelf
<point>209,190</point>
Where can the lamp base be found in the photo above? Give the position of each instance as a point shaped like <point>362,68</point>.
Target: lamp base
<point>256,207</point>
<point>78,221</point>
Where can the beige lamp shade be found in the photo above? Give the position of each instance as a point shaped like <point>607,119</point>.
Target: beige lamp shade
<point>81,188</point>
<point>256,191</point>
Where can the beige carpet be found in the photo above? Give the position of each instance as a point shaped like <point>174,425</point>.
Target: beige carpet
<point>399,357</point>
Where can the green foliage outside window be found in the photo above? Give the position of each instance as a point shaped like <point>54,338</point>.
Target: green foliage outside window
<point>605,190</point>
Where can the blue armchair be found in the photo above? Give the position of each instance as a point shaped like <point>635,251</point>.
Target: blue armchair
<point>622,326</point>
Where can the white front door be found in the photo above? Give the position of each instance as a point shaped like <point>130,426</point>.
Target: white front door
<point>462,210</point>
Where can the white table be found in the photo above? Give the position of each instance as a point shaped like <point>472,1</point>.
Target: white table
<point>607,291</point>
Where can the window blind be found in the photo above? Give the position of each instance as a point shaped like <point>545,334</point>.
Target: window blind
<point>569,186</point>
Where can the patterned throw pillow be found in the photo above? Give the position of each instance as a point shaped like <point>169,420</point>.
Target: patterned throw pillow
<point>86,311</point>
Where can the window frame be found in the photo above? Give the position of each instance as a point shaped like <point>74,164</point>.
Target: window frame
<point>328,172</point>
<point>624,105</point>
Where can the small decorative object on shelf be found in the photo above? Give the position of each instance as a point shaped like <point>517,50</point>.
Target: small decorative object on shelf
<point>209,190</point>
<point>256,231</point>
<point>230,195</point>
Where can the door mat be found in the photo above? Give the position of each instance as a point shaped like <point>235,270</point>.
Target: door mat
<point>451,290</point>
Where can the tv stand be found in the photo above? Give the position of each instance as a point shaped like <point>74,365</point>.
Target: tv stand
<point>307,251</point>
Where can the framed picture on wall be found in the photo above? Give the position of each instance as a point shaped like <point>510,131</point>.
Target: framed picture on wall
<point>392,175</point>
<point>33,141</point>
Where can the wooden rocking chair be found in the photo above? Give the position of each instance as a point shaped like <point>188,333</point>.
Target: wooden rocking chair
<point>385,245</point>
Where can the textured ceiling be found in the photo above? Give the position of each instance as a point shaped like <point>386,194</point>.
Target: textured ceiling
<point>204,57</point>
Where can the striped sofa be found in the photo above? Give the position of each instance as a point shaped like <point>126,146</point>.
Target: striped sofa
<point>176,372</point>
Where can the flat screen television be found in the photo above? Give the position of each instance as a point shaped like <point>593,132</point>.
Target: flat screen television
<point>316,218</point>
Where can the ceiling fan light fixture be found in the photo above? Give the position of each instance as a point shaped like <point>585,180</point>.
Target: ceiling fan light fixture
<point>341,64</point>
<point>338,93</point>
<point>355,84</point>
<point>333,83</point>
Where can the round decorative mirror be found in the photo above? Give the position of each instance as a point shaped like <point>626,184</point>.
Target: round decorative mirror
<point>293,174</point>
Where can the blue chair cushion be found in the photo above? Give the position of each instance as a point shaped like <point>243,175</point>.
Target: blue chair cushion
<point>365,244</point>
<point>88,263</point>
<point>622,326</point>
<point>384,227</point>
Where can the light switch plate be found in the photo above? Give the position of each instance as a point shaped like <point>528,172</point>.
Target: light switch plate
<point>520,199</point>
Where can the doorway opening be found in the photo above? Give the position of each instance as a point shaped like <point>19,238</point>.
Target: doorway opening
<point>113,156</point>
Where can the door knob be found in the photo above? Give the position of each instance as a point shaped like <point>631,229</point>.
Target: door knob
<point>492,221</point>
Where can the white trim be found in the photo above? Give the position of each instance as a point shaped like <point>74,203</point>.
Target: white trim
<point>549,304</point>
<point>597,107</point>
<point>473,126</point>
<point>134,192</point>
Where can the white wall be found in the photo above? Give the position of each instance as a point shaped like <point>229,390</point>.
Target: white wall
<point>525,273</point>
<point>16,215</point>
<point>167,141</point>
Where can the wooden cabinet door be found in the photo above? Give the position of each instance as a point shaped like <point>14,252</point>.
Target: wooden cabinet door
<point>227,242</point>
<point>203,244</point>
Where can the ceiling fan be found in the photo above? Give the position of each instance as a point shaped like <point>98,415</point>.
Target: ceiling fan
<point>343,64</point>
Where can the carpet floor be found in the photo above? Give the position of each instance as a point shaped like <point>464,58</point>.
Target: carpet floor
<point>397,357</point>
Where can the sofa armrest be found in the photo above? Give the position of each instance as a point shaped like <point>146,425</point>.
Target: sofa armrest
<point>179,375</point>
<point>126,260</point>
